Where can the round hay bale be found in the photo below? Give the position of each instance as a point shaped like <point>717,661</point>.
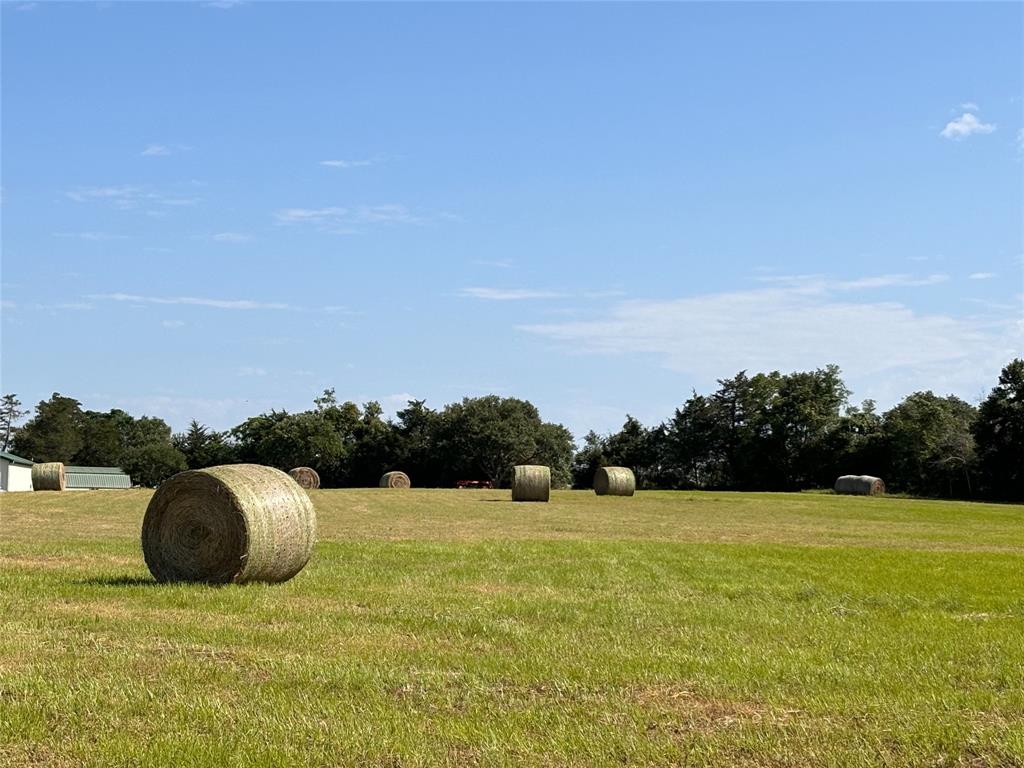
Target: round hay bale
<point>235,523</point>
<point>48,476</point>
<point>614,481</point>
<point>395,480</point>
<point>860,485</point>
<point>531,482</point>
<point>307,477</point>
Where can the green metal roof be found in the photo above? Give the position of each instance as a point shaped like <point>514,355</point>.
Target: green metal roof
<point>96,477</point>
<point>15,459</point>
<point>95,470</point>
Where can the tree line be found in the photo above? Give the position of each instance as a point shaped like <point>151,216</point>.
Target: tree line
<point>768,431</point>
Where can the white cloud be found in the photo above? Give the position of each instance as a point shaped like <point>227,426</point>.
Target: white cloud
<point>229,304</point>
<point>969,106</point>
<point>500,264</point>
<point>128,197</point>
<point>508,294</point>
<point>341,220</point>
<point>92,236</point>
<point>347,163</point>
<point>964,126</point>
<point>224,5</point>
<point>242,304</point>
<point>981,276</point>
<point>887,347</point>
<point>155,150</point>
<point>249,370</point>
<point>821,283</point>
<point>173,323</point>
<point>231,237</point>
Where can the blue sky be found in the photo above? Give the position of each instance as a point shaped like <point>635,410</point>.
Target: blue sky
<point>214,209</point>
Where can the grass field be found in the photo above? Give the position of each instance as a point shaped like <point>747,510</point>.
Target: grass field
<point>455,628</point>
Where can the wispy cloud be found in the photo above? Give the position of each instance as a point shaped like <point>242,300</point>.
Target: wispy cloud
<point>129,197</point>
<point>173,323</point>
<point>349,163</point>
<point>250,370</point>
<point>821,283</point>
<point>155,150</point>
<point>498,263</point>
<point>240,304</point>
<point>969,106</point>
<point>787,328</point>
<point>224,5</point>
<point>92,236</point>
<point>216,303</point>
<point>231,237</point>
<point>509,294</point>
<point>344,220</point>
<point>964,126</point>
<point>981,275</point>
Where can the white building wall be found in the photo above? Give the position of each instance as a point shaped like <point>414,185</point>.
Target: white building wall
<point>14,477</point>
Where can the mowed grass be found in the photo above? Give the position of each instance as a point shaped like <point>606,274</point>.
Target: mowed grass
<point>456,628</point>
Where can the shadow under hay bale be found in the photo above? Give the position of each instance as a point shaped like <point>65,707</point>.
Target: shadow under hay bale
<point>48,476</point>
<point>395,480</point>
<point>307,477</point>
<point>236,523</point>
<point>860,485</point>
<point>614,481</point>
<point>531,482</point>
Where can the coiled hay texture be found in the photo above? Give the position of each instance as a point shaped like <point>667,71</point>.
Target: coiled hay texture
<point>235,523</point>
<point>860,485</point>
<point>48,476</point>
<point>306,477</point>
<point>395,480</point>
<point>614,481</point>
<point>531,482</point>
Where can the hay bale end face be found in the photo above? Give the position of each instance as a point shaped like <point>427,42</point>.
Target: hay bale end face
<point>236,523</point>
<point>48,476</point>
<point>395,480</point>
<point>614,481</point>
<point>307,477</point>
<point>531,482</point>
<point>860,485</point>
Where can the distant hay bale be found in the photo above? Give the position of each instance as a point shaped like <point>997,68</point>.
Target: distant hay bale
<point>236,523</point>
<point>48,476</point>
<point>531,482</point>
<point>614,481</point>
<point>306,477</point>
<point>860,485</point>
<point>395,480</point>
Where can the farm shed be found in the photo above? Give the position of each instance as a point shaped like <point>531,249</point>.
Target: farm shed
<point>15,473</point>
<point>94,478</point>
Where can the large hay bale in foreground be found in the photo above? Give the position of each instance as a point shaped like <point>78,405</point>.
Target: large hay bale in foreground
<point>307,477</point>
<point>614,481</point>
<point>860,485</point>
<point>236,523</point>
<point>531,482</point>
<point>395,480</point>
<point>48,476</point>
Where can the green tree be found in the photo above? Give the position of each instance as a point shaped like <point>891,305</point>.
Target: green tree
<point>55,433</point>
<point>417,432</point>
<point>152,463</point>
<point>491,434</point>
<point>10,414</point>
<point>633,446</point>
<point>203,447</point>
<point>587,460</point>
<point>999,434</point>
<point>929,445</point>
